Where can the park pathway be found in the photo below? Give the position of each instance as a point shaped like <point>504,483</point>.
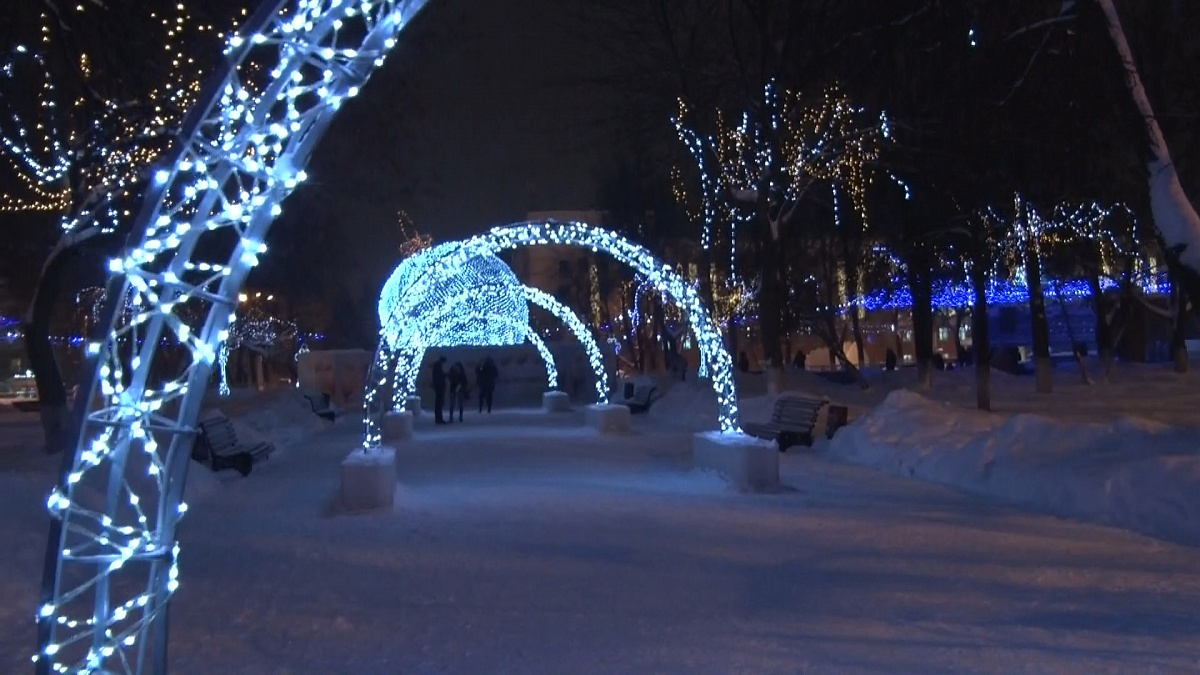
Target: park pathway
<point>520,548</point>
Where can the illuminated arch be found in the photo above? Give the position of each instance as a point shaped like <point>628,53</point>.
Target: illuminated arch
<point>665,279</point>
<point>550,232</point>
<point>111,560</point>
<point>563,313</point>
<point>112,554</point>
<point>661,276</point>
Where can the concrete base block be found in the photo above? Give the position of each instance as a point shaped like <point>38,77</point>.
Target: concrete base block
<point>397,427</point>
<point>369,478</point>
<point>412,404</point>
<point>748,463</point>
<point>556,401</point>
<point>608,418</point>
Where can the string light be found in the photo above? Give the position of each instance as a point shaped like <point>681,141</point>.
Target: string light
<point>82,158</point>
<point>1107,235</point>
<point>831,142</point>
<point>412,241</point>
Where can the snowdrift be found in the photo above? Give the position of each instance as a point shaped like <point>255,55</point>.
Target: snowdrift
<point>1132,472</point>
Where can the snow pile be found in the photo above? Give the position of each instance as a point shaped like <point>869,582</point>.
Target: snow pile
<point>686,405</point>
<point>282,417</point>
<point>1132,472</point>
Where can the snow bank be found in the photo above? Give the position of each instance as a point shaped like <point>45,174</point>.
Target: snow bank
<point>686,405</point>
<point>1131,472</point>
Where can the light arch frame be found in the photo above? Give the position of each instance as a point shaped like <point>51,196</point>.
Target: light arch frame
<point>241,152</point>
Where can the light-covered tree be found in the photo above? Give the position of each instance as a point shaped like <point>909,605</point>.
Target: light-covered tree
<point>81,133</point>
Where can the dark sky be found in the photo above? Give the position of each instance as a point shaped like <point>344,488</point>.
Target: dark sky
<point>478,116</point>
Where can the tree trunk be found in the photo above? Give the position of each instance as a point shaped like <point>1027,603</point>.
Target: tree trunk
<point>1104,342</point>
<point>1038,321</point>
<point>769,297</point>
<point>859,350</point>
<point>1075,351</point>
<point>959,349</point>
<point>980,340</point>
<point>920,279</point>
<point>1174,214</point>
<point>1179,351</point>
<point>706,281</point>
<point>853,274</point>
<point>52,392</point>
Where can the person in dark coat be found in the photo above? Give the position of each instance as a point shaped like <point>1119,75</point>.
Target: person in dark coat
<point>458,389</point>
<point>439,389</point>
<point>801,360</point>
<point>486,374</point>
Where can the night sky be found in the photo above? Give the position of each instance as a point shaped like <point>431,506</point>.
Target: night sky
<point>479,116</point>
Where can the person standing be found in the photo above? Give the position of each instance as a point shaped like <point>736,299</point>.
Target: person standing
<point>486,375</point>
<point>439,389</point>
<point>458,389</point>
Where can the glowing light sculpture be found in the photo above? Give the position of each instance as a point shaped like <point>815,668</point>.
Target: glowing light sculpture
<point>112,556</point>
<point>427,303</point>
<point>423,292</point>
<point>444,261</point>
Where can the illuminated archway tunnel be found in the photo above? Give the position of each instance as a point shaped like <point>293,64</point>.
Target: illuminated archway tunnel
<point>112,558</point>
<point>477,301</point>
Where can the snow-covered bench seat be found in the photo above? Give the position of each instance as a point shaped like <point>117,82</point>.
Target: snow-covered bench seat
<point>792,421</point>
<point>321,405</point>
<point>640,400</point>
<point>217,446</point>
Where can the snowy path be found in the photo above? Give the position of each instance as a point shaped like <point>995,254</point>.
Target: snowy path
<point>516,549</point>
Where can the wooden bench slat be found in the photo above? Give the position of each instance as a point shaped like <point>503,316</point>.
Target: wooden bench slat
<point>793,418</point>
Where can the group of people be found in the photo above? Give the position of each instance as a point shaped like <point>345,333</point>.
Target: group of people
<point>454,381</point>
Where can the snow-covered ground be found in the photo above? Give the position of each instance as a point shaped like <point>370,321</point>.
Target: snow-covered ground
<point>1131,471</point>
<point>527,544</point>
<point>1126,452</point>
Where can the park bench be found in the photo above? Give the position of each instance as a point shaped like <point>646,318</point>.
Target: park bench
<point>792,421</point>
<point>217,446</point>
<point>321,405</point>
<point>639,400</point>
